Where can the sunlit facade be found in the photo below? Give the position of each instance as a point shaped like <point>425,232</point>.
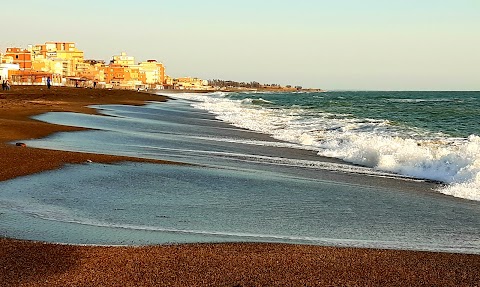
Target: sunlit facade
<point>65,64</point>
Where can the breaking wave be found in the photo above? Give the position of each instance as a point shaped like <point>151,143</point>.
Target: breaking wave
<point>377,144</point>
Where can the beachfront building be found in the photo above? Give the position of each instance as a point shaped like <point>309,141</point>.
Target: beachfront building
<point>38,62</point>
<point>6,70</point>
<point>30,77</point>
<point>21,57</point>
<point>6,67</point>
<point>152,74</point>
<point>189,83</point>
<point>123,73</point>
<point>16,66</point>
<point>65,65</point>
<point>122,77</point>
<point>56,54</point>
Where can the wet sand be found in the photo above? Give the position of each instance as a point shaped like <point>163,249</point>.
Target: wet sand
<point>22,102</point>
<point>24,263</point>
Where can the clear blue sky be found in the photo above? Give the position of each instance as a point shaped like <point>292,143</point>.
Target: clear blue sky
<point>341,44</point>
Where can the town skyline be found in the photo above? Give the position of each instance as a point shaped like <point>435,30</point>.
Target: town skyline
<point>363,45</point>
<point>64,64</point>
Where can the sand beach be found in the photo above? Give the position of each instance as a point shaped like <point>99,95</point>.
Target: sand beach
<point>25,263</point>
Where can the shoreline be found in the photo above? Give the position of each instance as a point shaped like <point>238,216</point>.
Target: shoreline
<point>18,105</point>
<point>28,263</point>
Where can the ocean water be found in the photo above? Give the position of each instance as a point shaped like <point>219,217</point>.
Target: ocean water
<point>365,169</point>
<point>426,135</point>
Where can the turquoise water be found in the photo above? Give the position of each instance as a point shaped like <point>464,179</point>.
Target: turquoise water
<point>267,167</point>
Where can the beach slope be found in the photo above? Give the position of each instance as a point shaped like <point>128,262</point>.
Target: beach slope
<point>25,263</point>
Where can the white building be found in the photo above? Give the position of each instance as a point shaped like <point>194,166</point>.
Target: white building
<point>6,64</point>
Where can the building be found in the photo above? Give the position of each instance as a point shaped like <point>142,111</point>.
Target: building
<point>6,67</point>
<point>21,57</point>
<point>62,50</point>
<point>66,65</point>
<point>189,83</point>
<point>154,73</point>
<point>122,77</point>
<point>91,72</point>
<point>123,60</point>
<point>55,54</point>
<point>48,65</point>
<point>29,77</point>
<point>125,74</point>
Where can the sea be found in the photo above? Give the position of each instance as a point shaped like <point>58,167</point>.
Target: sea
<point>375,169</point>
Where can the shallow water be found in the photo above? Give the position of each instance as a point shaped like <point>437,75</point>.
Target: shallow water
<point>245,187</point>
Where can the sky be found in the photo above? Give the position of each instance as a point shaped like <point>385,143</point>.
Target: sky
<point>334,45</point>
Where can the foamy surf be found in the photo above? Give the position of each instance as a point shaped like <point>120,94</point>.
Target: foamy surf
<point>378,144</point>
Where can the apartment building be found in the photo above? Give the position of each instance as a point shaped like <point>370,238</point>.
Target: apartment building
<point>21,57</point>
<point>123,59</point>
<point>91,70</point>
<point>47,65</point>
<point>65,63</point>
<point>122,77</point>
<point>154,72</point>
<point>56,54</point>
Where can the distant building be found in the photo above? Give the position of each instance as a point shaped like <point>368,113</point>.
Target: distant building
<point>63,50</point>
<point>123,73</point>
<point>7,67</point>
<point>122,77</point>
<point>154,72</point>
<point>29,77</point>
<point>47,65</point>
<point>94,62</point>
<point>21,57</point>
<point>123,60</point>
<point>54,54</point>
<point>66,65</point>
<point>169,82</point>
<point>189,83</point>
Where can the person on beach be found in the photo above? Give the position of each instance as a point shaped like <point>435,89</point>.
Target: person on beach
<point>49,82</point>
<point>4,85</point>
<point>7,85</point>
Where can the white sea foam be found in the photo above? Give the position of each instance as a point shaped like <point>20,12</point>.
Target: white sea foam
<point>376,144</point>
